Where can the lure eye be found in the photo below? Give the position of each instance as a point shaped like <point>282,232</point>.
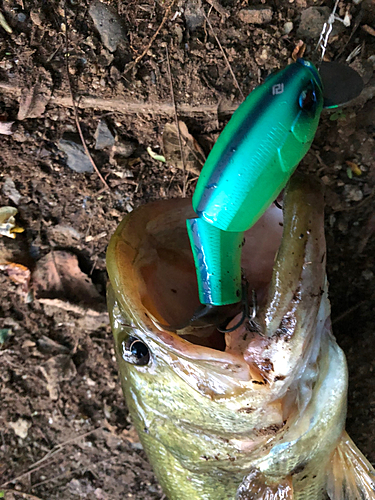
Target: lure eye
<point>307,99</point>
<point>135,351</point>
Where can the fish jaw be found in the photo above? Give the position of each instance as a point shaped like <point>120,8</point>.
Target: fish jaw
<point>212,413</point>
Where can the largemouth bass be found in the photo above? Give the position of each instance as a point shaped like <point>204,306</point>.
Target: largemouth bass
<point>257,412</point>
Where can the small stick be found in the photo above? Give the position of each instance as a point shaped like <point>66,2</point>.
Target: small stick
<point>75,107</point>
<point>178,127</point>
<point>123,106</point>
<point>225,56</point>
<point>141,56</point>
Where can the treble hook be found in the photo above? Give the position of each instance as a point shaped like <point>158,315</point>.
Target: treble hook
<point>245,312</point>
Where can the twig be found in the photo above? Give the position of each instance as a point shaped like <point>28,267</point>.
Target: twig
<point>122,106</point>
<point>348,312</point>
<point>178,127</point>
<point>141,56</point>
<point>40,463</point>
<point>224,55</point>
<point>75,107</point>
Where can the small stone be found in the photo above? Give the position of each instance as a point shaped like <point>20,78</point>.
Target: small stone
<point>194,15</point>
<point>77,159</point>
<point>109,25</point>
<point>288,27</point>
<point>352,193</point>
<point>103,136</point>
<point>21,427</point>
<point>256,15</point>
<point>367,274</point>
<point>21,17</point>
<point>9,190</point>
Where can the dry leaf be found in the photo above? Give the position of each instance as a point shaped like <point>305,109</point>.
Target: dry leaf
<point>8,226</point>
<point>18,273</point>
<point>6,128</point>
<point>58,276</point>
<point>56,370</point>
<point>354,168</point>
<point>299,50</point>
<point>35,98</point>
<point>368,29</point>
<point>193,155</point>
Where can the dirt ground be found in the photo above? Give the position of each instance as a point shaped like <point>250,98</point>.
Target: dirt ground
<point>65,431</point>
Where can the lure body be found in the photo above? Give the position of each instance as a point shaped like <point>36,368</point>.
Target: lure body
<point>249,165</point>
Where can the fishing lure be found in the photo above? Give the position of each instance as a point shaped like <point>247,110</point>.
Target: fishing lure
<point>250,164</point>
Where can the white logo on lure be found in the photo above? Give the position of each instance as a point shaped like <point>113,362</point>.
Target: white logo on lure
<point>278,89</point>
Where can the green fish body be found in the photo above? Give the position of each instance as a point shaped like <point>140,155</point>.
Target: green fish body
<point>257,412</point>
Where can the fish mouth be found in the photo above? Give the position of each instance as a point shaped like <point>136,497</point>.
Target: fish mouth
<point>152,273</point>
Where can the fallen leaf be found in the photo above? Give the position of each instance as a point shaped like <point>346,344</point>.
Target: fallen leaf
<point>58,369</point>
<point>8,226</point>
<point>58,276</point>
<point>194,157</point>
<point>354,168</point>
<point>36,95</point>
<point>5,333</point>
<point>368,29</point>
<point>299,50</point>
<point>6,128</point>
<point>155,156</point>
<point>18,273</point>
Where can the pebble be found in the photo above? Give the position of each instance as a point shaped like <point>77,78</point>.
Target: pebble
<point>352,193</point>
<point>256,15</point>
<point>9,190</point>
<point>103,136</point>
<point>194,15</point>
<point>77,159</point>
<point>109,25</point>
<point>288,27</point>
<point>367,274</point>
<point>21,427</point>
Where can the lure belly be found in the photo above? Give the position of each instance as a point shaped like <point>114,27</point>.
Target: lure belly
<point>249,165</point>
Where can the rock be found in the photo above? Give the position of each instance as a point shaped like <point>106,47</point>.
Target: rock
<point>193,13</point>
<point>103,136</point>
<point>64,236</point>
<point>109,25</point>
<point>288,27</point>
<point>256,15</point>
<point>367,274</point>
<point>121,149</point>
<point>352,193</point>
<point>77,159</point>
<point>312,20</point>
<point>21,427</point>
<point>9,190</point>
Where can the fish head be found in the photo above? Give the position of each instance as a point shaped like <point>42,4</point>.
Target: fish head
<point>182,386</point>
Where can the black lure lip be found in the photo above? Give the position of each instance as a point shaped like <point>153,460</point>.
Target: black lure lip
<point>341,83</point>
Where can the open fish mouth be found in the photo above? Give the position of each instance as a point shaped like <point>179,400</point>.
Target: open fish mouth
<point>152,274</point>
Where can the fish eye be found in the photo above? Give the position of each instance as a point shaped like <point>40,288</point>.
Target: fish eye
<point>307,99</point>
<point>135,351</point>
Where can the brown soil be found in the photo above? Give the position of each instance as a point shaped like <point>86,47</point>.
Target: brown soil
<point>58,377</point>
